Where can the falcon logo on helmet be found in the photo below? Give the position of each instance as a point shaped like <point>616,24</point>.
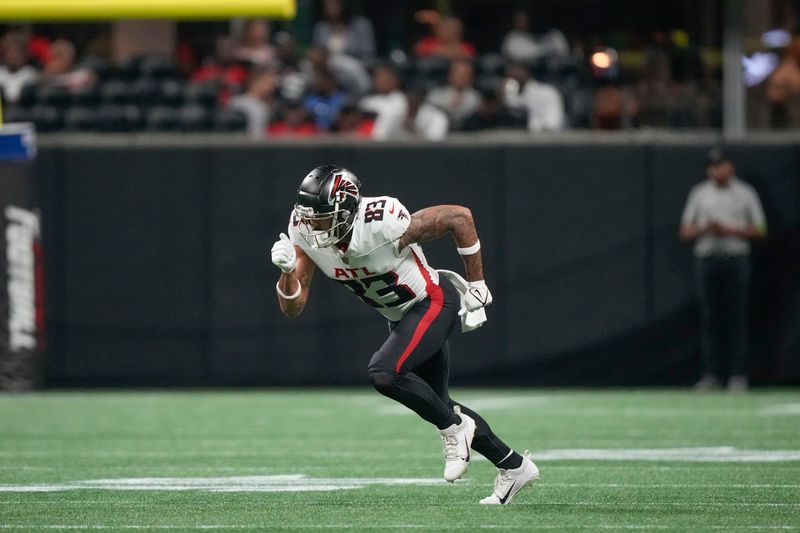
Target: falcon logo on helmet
<point>327,204</point>
<point>342,186</point>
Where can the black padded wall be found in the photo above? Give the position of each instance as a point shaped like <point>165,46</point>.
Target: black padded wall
<point>159,272</point>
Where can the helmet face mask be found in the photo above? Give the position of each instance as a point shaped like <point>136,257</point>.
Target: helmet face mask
<point>327,203</point>
<point>321,230</point>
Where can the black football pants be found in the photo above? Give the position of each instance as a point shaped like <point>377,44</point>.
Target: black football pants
<point>722,286</point>
<point>413,367</point>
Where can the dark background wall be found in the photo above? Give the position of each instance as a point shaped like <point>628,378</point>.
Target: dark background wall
<point>158,267</point>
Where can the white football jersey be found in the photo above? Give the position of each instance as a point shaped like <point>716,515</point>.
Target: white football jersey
<point>370,266</point>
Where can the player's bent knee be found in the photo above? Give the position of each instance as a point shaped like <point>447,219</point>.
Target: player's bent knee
<point>382,380</point>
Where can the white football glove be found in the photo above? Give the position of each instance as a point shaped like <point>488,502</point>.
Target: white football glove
<point>283,254</point>
<point>477,296</point>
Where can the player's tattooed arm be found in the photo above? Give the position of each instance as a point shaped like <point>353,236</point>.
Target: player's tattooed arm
<point>433,222</point>
<point>302,275</point>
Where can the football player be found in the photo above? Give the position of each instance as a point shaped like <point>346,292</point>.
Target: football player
<point>371,245</point>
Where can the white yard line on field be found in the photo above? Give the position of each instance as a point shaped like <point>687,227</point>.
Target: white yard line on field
<point>276,483</point>
<point>781,409</point>
<point>719,454</point>
<point>402,526</point>
<point>671,485</point>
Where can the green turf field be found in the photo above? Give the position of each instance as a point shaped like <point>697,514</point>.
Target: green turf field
<point>350,459</point>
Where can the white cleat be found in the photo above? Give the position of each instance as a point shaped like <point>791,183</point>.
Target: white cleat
<point>509,482</point>
<point>456,441</point>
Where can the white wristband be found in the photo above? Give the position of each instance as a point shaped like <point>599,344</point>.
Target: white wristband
<point>294,296</point>
<point>469,250</point>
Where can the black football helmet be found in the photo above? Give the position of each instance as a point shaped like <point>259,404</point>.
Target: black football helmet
<point>328,193</point>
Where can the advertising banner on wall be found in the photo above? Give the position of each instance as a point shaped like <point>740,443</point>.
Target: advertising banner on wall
<point>22,340</point>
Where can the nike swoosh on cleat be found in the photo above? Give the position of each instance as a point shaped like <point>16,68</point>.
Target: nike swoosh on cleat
<point>504,498</point>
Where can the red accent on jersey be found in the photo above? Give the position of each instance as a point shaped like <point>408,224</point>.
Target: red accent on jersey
<point>391,211</point>
<point>437,300</point>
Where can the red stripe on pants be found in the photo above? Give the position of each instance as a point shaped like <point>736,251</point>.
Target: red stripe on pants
<point>437,300</point>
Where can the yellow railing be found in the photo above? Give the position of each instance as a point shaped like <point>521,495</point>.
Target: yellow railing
<point>44,10</point>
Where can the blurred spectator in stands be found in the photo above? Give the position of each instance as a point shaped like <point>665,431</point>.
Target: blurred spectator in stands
<point>15,72</point>
<point>254,46</point>
<point>542,102</point>
<point>458,98</point>
<point>492,114</point>
<point>287,50</point>
<point>349,73</point>
<point>354,123</point>
<point>342,32</point>
<point>293,121</point>
<point>38,46</point>
<point>783,86</point>
<point>60,68</point>
<point>185,57</point>
<point>653,89</point>
<point>667,91</point>
<point>614,107</point>
<point>722,215</point>
<point>447,39</point>
<point>324,100</point>
<point>398,115</point>
<point>222,69</point>
<point>293,82</point>
<point>387,102</point>
<point>424,120</point>
<point>521,45</point>
<point>258,101</point>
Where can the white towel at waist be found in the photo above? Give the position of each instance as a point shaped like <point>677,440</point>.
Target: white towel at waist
<point>469,319</point>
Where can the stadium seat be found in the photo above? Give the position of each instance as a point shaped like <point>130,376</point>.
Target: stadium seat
<point>27,97</point>
<point>143,92</point>
<point>46,117</point>
<point>491,65</point>
<point>111,118</point>
<point>204,94</point>
<point>563,66</point>
<point>134,116</point>
<point>229,120</point>
<point>114,92</point>
<point>127,70</point>
<point>401,62</point>
<point>53,95</point>
<point>488,82</point>
<point>193,117</point>
<point>578,103</point>
<point>421,83</point>
<point>158,67</point>
<point>80,118</point>
<point>162,118</point>
<point>16,113</point>
<point>432,67</point>
<point>99,66</point>
<point>88,96</point>
<point>539,69</point>
<point>170,93</point>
